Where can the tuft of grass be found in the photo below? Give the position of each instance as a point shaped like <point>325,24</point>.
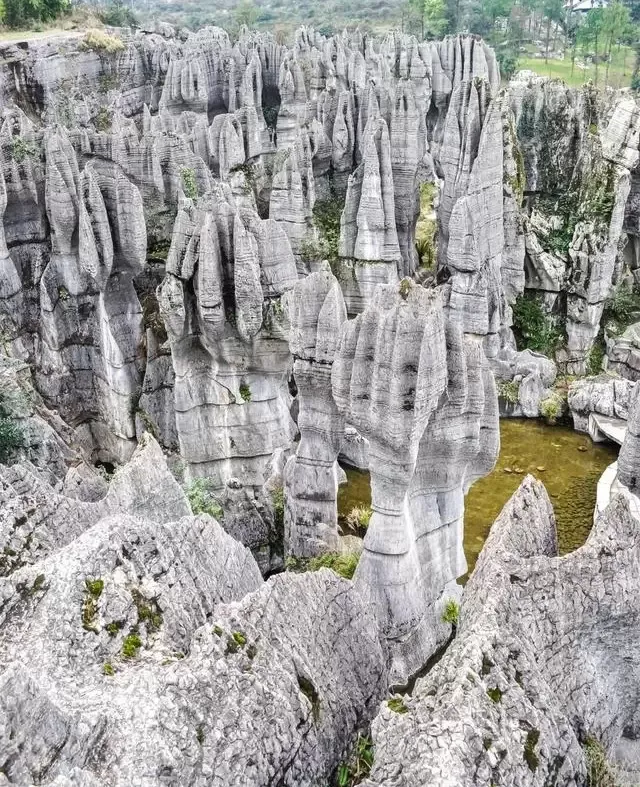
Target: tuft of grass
<point>245,392</point>
<point>396,704</point>
<point>344,564</point>
<point>131,645</point>
<point>359,517</point>
<point>451,612</point>
<point>107,669</point>
<point>359,765</point>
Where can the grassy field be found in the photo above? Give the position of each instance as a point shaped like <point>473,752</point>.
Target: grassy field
<point>620,69</point>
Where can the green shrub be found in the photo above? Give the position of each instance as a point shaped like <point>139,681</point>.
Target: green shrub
<point>451,612</point>
<point>99,41</point>
<point>620,309</point>
<point>550,408</point>
<point>189,183</point>
<point>118,15</point>
<point>102,120</point>
<point>245,392</point>
<point>600,772</point>
<point>509,392</point>
<point>595,359</point>
<point>22,148</point>
<point>11,437</point>
<point>107,669</point>
<point>200,495</point>
<point>533,329</point>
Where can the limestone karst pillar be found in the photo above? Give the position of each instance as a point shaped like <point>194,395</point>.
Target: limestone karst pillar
<point>311,477</point>
<point>220,299</point>
<point>388,377</point>
<point>629,457</point>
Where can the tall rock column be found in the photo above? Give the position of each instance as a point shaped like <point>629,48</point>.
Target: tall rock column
<point>368,236</point>
<point>226,272</point>
<point>388,377</point>
<point>311,477</point>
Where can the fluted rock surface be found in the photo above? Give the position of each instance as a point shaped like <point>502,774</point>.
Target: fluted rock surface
<point>317,313</point>
<point>226,272</point>
<point>505,703</point>
<point>388,376</point>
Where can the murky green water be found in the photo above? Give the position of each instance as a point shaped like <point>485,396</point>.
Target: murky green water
<point>568,464</point>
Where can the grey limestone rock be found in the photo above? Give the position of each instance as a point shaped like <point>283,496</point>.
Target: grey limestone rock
<point>505,702</point>
<point>317,313</point>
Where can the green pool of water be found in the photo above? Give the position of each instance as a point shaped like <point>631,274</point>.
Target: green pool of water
<point>568,464</point>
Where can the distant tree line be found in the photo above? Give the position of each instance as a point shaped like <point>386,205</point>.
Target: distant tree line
<point>506,23</point>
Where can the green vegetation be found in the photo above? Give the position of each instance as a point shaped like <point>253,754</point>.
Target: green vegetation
<point>509,392</point>
<point>427,226</point>
<point>326,217</point>
<point>530,756</point>
<point>396,704</point>
<point>12,436</point>
<point>495,694</point>
<point>99,41</point>
<point>533,329</point>
<point>344,564</point>
<point>148,611</point>
<point>359,517</point>
<point>277,500</point>
<point>22,149</point>
<point>107,669</point>
<point>189,183</point>
<point>131,645</point>
<point>92,593</point>
<point>118,14</point>
<point>621,309</point>
<point>235,642</point>
<point>113,628</point>
<point>200,495</point>
<point>600,772</point>
<point>451,612</point>
<point>359,764</point>
<point>595,359</point>
<point>102,120</point>
<point>32,13</point>
<point>551,408</point>
<point>245,392</point>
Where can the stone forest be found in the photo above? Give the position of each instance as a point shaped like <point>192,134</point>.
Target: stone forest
<point>239,278</point>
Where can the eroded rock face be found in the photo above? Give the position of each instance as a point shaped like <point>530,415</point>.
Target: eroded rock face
<point>311,477</point>
<point>226,272</point>
<point>572,238</point>
<point>505,702</point>
<point>166,624</point>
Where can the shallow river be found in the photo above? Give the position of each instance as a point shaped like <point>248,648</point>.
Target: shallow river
<point>568,463</point>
